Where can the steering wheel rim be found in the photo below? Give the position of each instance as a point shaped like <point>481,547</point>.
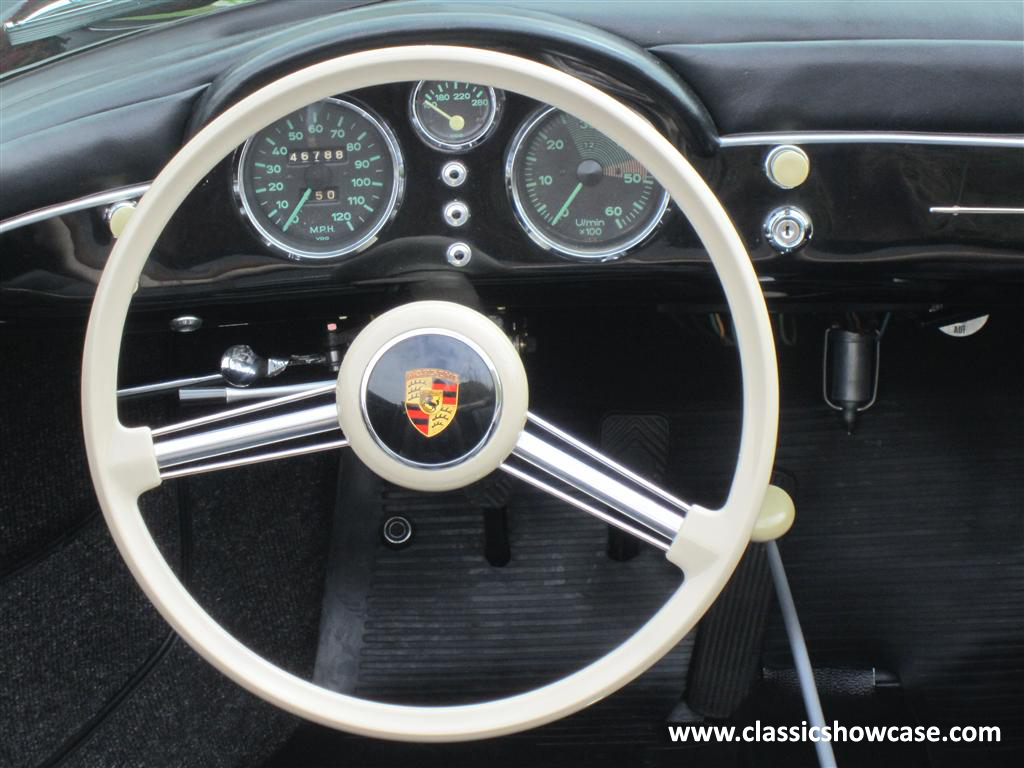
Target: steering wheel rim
<point>709,543</point>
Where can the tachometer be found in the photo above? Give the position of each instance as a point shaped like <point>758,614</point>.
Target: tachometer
<point>321,182</point>
<point>576,191</point>
<point>453,116</point>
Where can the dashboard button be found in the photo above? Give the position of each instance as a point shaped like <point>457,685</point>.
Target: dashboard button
<point>456,213</point>
<point>454,173</point>
<point>458,254</point>
<point>787,166</point>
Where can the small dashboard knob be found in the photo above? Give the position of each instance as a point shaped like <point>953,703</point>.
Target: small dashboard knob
<point>787,166</point>
<point>117,216</point>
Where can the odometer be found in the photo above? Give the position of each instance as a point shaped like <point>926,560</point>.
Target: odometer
<point>576,191</point>
<point>321,182</point>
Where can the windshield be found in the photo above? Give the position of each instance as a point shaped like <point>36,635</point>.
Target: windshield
<point>36,31</point>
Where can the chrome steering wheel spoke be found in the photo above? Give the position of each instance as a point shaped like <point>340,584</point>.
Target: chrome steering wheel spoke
<point>611,492</point>
<point>198,445</point>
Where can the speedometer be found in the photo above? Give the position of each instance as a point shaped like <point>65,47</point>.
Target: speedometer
<point>321,182</point>
<point>576,191</point>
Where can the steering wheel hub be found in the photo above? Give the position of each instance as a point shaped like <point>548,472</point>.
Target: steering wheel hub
<point>431,398</point>
<point>432,395</point>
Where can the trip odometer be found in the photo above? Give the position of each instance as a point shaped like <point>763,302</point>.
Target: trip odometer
<point>321,182</point>
<point>576,191</point>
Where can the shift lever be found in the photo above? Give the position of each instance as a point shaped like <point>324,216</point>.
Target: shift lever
<point>240,366</point>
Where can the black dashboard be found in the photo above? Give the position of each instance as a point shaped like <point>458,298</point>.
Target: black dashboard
<point>922,200</point>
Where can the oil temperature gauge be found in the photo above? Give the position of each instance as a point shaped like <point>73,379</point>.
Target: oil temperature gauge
<point>453,116</point>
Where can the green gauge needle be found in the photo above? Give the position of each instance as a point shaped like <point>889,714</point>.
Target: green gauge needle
<point>298,207</point>
<point>565,208</point>
<point>456,123</point>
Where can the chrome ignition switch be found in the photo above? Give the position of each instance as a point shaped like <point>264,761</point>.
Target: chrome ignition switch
<point>787,229</point>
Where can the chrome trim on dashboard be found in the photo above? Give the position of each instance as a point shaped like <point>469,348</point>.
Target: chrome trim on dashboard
<point>71,206</point>
<point>733,140</point>
<point>871,137</point>
<point>956,210</point>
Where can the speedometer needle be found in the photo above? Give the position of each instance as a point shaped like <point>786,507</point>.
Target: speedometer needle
<point>298,207</point>
<point>456,123</point>
<point>565,208</point>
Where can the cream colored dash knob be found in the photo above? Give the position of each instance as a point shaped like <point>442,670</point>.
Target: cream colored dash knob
<point>787,166</point>
<point>117,216</point>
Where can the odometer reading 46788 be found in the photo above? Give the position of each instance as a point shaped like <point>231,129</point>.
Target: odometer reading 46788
<point>578,192</point>
<point>322,181</point>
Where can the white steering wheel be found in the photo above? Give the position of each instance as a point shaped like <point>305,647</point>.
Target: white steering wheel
<point>704,544</point>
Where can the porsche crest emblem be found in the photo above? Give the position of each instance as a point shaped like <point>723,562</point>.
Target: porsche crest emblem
<point>431,399</point>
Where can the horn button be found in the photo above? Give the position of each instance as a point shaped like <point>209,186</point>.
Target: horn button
<point>431,398</point>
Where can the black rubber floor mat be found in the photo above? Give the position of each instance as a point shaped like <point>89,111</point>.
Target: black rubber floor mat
<point>907,555</point>
<point>438,625</point>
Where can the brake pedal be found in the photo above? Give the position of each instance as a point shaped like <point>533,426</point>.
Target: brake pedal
<point>640,442</point>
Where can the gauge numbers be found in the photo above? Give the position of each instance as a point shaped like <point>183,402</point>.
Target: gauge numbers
<point>577,192</point>
<point>453,116</point>
<point>321,182</point>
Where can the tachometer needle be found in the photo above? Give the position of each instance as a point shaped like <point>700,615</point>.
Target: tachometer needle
<point>456,123</point>
<point>298,207</point>
<point>565,208</point>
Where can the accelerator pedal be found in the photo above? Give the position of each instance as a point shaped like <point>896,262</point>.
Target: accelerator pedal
<point>727,652</point>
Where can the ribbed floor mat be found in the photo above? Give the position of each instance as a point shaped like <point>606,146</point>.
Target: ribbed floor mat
<point>440,625</point>
<point>907,555</point>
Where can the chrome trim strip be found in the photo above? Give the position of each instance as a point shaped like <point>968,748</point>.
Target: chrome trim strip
<point>242,437</point>
<point>599,486</point>
<point>661,544</point>
<point>244,461</point>
<point>163,386</point>
<point>956,210</point>
<point>241,411</point>
<point>606,461</point>
<point>79,204</point>
<point>871,137</point>
<point>237,394</point>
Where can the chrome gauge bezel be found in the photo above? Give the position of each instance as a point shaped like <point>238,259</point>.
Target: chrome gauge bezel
<point>541,238</point>
<point>274,243</point>
<point>497,103</point>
